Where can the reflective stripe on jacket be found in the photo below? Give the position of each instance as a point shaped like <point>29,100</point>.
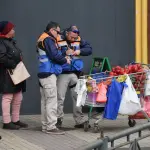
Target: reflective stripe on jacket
<point>45,64</point>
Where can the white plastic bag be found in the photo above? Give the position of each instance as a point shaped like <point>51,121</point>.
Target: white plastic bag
<point>81,90</point>
<point>147,84</point>
<point>130,103</point>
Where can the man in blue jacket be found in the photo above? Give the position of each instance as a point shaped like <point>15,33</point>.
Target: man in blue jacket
<point>50,61</point>
<point>73,46</point>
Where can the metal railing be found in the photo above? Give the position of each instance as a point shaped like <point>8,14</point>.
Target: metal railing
<point>102,144</point>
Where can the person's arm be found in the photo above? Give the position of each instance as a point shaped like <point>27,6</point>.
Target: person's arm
<point>4,59</point>
<point>85,48</point>
<point>53,53</point>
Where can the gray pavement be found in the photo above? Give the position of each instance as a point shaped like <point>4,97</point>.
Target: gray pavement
<point>33,139</point>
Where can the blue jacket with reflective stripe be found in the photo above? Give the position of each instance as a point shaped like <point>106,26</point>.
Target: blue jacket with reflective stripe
<point>79,44</point>
<point>50,58</point>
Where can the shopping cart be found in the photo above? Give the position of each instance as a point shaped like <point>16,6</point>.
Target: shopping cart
<point>138,80</point>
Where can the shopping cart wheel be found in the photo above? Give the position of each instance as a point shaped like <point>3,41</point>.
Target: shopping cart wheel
<point>86,126</point>
<point>96,128</point>
<point>131,123</point>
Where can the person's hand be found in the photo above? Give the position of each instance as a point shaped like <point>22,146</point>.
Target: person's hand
<point>68,60</point>
<point>76,52</point>
<point>69,52</point>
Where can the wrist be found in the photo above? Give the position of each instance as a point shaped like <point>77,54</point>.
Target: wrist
<point>78,52</point>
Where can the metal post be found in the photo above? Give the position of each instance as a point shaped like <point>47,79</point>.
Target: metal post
<point>135,145</point>
<point>138,32</point>
<point>144,31</point>
<point>89,114</point>
<point>104,146</point>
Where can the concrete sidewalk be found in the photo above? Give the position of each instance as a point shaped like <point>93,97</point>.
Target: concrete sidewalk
<point>33,139</point>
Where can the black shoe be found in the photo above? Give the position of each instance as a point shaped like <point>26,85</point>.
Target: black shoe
<point>81,125</point>
<point>59,123</point>
<point>10,126</point>
<point>21,124</point>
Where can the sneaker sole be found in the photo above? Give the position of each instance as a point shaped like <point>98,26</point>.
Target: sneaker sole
<point>53,133</point>
<point>44,131</point>
<point>11,129</point>
<point>24,127</point>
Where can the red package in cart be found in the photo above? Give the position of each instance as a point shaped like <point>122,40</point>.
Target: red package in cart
<point>102,97</point>
<point>145,102</point>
